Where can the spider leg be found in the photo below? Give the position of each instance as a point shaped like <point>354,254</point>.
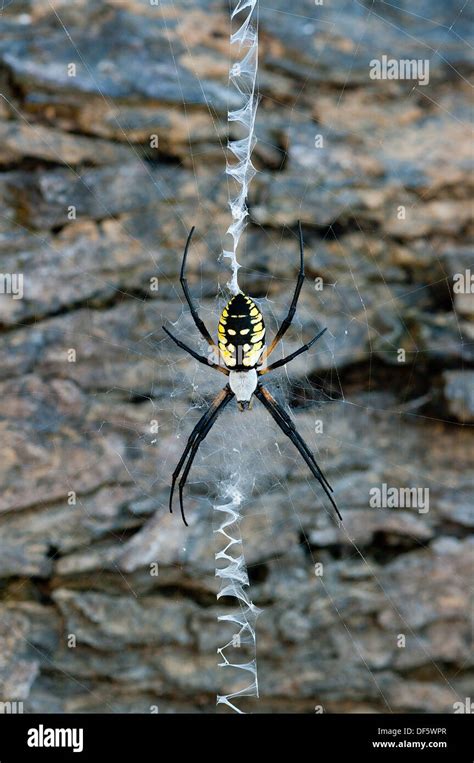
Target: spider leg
<point>191,440</point>
<point>287,426</point>
<point>293,355</point>
<point>299,283</point>
<point>200,325</point>
<point>283,414</point>
<point>194,450</point>
<point>197,435</point>
<point>200,358</point>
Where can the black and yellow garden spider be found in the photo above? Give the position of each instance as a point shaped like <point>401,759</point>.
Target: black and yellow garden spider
<point>241,345</point>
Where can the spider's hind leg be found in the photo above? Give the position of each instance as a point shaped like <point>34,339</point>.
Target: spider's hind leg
<point>286,323</point>
<point>200,325</point>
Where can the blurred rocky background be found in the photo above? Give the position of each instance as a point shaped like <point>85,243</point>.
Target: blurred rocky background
<point>112,122</point>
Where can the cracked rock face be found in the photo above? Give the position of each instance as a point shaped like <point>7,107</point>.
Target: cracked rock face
<point>107,602</point>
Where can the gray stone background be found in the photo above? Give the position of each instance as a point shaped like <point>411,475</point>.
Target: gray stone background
<point>81,567</point>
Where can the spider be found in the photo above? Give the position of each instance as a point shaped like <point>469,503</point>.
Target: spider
<point>241,346</point>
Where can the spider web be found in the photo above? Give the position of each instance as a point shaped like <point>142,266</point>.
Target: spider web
<point>244,451</point>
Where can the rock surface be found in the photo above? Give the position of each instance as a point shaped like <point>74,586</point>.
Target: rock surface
<point>112,126</point>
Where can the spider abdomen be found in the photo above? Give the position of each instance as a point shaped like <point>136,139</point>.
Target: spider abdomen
<point>241,333</point>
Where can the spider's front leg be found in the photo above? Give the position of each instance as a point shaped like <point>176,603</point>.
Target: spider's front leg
<point>287,426</point>
<point>198,434</point>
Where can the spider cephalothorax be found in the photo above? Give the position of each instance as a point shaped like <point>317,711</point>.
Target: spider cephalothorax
<point>241,346</point>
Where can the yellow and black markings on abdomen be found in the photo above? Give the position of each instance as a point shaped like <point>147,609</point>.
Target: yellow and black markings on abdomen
<point>241,333</point>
